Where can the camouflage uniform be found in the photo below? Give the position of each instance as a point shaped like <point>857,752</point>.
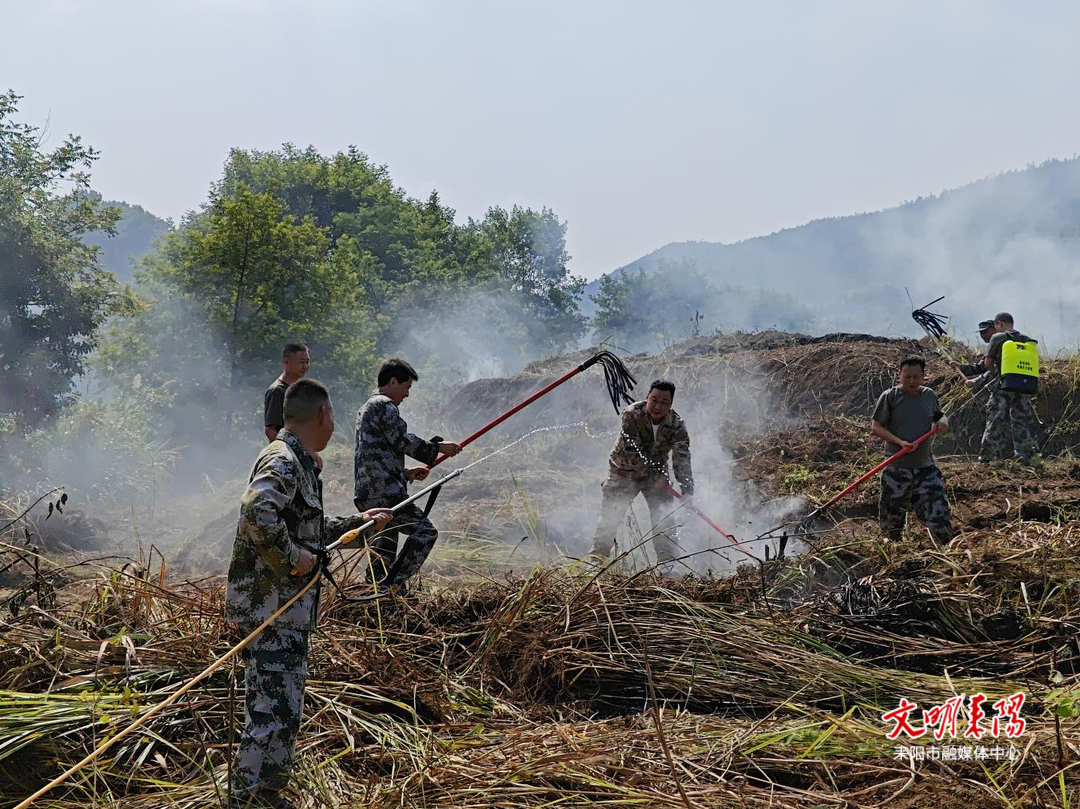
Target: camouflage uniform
<point>920,490</point>
<point>638,463</point>
<point>382,442</point>
<point>280,513</point>
<point>1008,414</point>
<point>973,369</point>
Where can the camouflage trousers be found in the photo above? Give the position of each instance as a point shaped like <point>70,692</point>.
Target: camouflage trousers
<point>618,493</point>
<point>920,490</point>
<point>1010,415</point>
<point>389,567</point>
<point>275,669</point>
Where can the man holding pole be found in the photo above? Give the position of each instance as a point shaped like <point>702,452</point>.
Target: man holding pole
<point>651,431</point>
<point>278,539</point>
<point>977,369</point>
<point>381,479</point>
<point>912,482</point>
<point>1009,413</point>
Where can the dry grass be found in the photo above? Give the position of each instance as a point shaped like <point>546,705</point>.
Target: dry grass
<point>766,687</point>
<point>514,681</point>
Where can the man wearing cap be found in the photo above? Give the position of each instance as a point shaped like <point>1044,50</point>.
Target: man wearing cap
<point>978,369</point>
<point>1009,413</point>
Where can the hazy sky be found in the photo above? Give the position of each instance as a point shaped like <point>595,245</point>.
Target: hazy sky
<point>639,123</point>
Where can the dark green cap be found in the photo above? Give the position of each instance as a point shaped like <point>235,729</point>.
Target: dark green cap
<point>986,324</point>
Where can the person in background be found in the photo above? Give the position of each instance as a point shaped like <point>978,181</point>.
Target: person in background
<point>977,369</point>
<point>296,360</point>
<point>1009,414</point>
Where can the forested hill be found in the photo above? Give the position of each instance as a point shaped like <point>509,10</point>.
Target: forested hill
<point>1006,242</point>
<point>135,233</point>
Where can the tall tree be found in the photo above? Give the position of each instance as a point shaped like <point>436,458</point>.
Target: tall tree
<point>528,252</point>
<point>228,289</point>
<point>53,294</point>
<point>624,308</point>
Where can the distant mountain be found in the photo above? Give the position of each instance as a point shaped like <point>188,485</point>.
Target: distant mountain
<point>135,233</point>
<point>1008,242</point>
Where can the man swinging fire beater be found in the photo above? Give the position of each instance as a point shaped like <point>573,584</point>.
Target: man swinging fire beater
<point>651,431</point>
<point>382,479</point>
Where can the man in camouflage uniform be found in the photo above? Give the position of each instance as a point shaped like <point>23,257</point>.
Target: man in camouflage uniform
<point>912,482</point>
<point>381,479</point>
<point>977,369</point>
<point>651,431</point>
<point>1009,414</point>
<point>277,541</point>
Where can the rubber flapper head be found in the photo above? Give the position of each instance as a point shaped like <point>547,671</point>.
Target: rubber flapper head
<point>617,376</point>
<point>932,323</point>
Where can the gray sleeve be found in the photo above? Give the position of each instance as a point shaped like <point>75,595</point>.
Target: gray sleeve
<point>936,406</point>
<point>680,460</point>
<point>981,381</point>
<point>883,409</point>
<point>398,436</point>
<point>994,352</point>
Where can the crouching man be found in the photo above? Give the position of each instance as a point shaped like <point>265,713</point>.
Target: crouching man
<point>278,539</point>
<point>651,431</point>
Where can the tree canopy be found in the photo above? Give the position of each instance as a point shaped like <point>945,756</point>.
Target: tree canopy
<point>53,294</point>
<point>295,245</point>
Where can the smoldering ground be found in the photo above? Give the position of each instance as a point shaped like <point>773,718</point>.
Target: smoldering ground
<point>546,488</point>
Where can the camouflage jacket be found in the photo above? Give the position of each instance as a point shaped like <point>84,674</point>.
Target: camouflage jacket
<point>280,512</point>
<point>637,433</point>
<point>382,442</point>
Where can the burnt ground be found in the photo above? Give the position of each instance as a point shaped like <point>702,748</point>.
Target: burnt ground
<point>539,683</point>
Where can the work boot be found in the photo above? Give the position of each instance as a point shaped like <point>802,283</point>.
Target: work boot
<point>402,593</point>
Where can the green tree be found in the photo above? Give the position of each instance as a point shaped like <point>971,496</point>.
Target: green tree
<point>409,249</point>
<point>223,294</point>
<point>293,244</point>
<point>527,253</point>
<point>411,255</point>
<point>53,294</point>
<point>621,311</point>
